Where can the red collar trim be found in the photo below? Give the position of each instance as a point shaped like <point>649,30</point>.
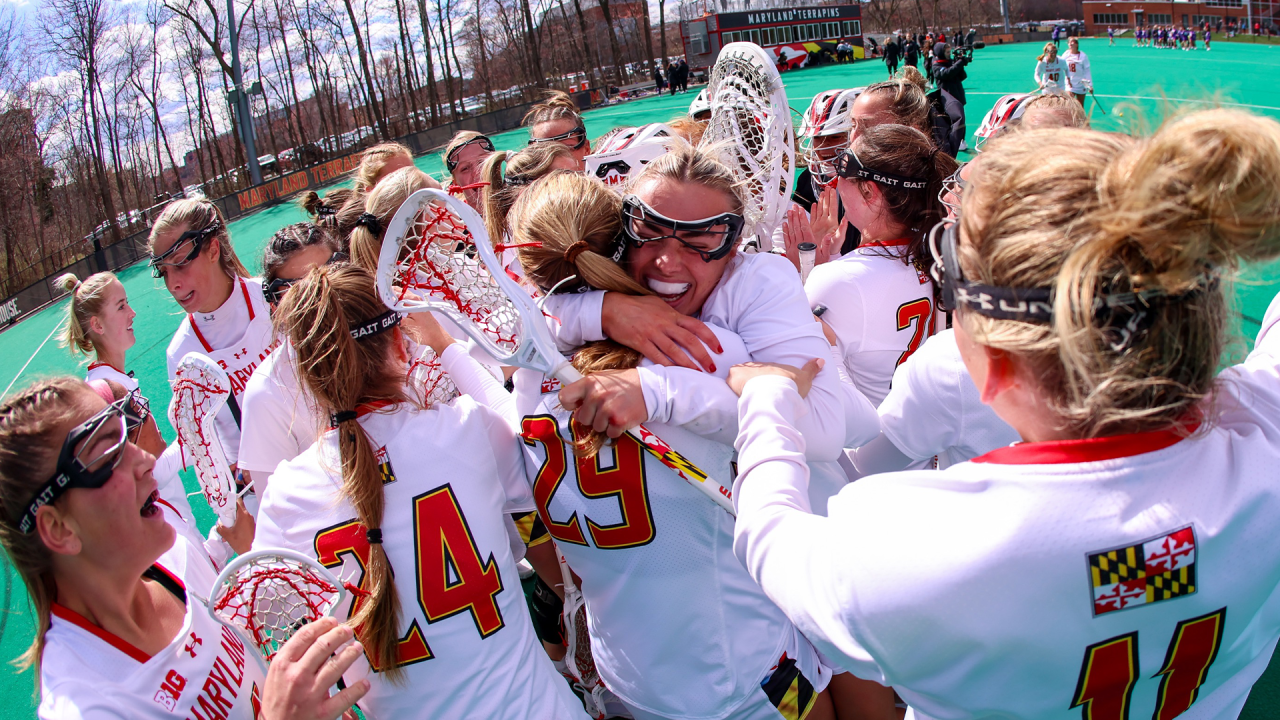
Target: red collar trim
<point>96,365</point>
<point>888,243</point>
<point>165,503</point>
<point>244,290</point>
<point>1081,451</point>
<point>111,639</point>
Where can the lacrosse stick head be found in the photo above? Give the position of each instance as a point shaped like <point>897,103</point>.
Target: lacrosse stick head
<point>436,255</point>
<point>751,131</point>
<point>200,390</point>
<point>268,595</point>
<point>429,379</point>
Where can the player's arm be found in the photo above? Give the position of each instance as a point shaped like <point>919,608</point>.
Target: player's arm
<point>792,554</point>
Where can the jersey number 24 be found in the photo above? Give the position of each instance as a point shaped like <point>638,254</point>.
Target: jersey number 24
<point>451,576</point>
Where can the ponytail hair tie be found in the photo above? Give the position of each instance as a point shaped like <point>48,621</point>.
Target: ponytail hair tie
<point>573,251</point>
<point>370,221</point>
<point>338,418</point>
<point>374,536</point>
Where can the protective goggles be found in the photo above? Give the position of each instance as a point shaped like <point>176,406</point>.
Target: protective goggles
<point>847,165</point>
<point>274,291</point>
<point>90,454</point>
<point>195,238</point>
<point>821,160</point>
<point>711,238</point>
<point>451,160</point>
<point>579,132</point>
<point>952,191</point>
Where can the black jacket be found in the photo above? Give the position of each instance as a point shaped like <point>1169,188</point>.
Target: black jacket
<point>892,52</point>
<point>912,52</point>
<point>949,77</point>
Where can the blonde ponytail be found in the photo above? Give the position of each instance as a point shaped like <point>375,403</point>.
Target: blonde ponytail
<point>87,300</point>
<point>342,373</point>
<point>1092,215</point>
<point>381,203</point>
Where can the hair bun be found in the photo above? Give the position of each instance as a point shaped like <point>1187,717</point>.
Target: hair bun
<point>68,282</point>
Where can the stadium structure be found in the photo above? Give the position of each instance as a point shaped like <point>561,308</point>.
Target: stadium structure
<point>1102,14</point>
<point>795,31</point>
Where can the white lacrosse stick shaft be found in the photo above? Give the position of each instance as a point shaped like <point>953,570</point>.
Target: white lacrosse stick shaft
<point>808,255</point>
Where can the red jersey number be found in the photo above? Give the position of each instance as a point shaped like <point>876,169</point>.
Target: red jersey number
<point>624,480</point>
<point>921,313</point>
<point>1110,670</point>
<point>451,577</point>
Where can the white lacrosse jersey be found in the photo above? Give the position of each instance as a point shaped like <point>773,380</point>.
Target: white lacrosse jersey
<point>1129,576</point>
<point>678,628</point>
<point>238,336</point>
<point>880,308</point>
<point>934,408</point>
<point>104,371</point>
<point>451,473</point>
<point>208,671</point>
<point>1052,75</point>
<point>1079,76</point>
<point>279,419</point>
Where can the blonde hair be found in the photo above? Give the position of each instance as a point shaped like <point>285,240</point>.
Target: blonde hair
<point>373,161</point>
<point>1049,48</point>
<point>342,373</point>
<point>381,202</point>
<point>503,188</point>
<point>1087,214</point>
<point>687,164</point>
<point>184,215</point>
<point>33,425</point>
<point>906,100</point>
<point>1059,110</point>
<point>573,224</point>
<point>87,300</point>
<point>688,128</point>
<point>556,106</point>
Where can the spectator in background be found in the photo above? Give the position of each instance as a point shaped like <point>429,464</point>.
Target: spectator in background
<point>683,75</point>
<point>892,52</point>
<point>911,52</point>
<point>673,77</point>
<point>1057,36</point>
<point>658,84</point>
<point>971,38</point>
<point>949,75</point>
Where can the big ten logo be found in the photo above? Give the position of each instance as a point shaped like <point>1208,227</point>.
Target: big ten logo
<point>170,690</point>
<point>9,311</point>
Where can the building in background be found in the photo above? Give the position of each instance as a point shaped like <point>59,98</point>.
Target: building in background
<point>1100,15</point>
<point>794,31</point>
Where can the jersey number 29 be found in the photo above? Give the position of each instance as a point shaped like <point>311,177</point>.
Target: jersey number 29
<point>451,576</point>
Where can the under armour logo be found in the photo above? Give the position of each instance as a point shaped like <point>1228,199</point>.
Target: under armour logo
<point>191,646</point>
<point>242,352</point>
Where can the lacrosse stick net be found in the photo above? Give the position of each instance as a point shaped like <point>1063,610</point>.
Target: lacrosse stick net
<point>436,256</point>
<point>752,132</point>
<point>200,390</point>
<point>429,379</point>
<point>268,595</point>
<point>580,665</point>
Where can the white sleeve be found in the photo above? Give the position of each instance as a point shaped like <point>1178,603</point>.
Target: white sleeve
<point>1086,75</point>
<point>919,415</point>
<point>171,461</point>
<point>700,403</point>
<point>1268,340</point>
<point>509,458</point>
<point>777,326</point>
<point>861,422</point>
<point>791,553</point>
<point>1039,73</point>
<point>473,379</point>
<point>578,316</point>
<point>267,417</point>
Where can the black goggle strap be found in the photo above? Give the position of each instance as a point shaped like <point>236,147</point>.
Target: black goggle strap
<point>197,238</point>
<point>451,161</point>
<point>375,326</point>
<point>848,165</point>
<point>70,471</point>
<point>633,208</point>
<point>274,291</point>
<point>580,131</point>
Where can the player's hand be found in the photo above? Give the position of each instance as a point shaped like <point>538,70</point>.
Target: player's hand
<point>610,401</point>
<point>298,682</point>
<point>824,216</point>
<point>652,328</point>
<point>426,330</point>
<point>803,377</point>
<point>240,535</point>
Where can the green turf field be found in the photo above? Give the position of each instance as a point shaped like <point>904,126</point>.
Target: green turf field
<point>1136,86</point>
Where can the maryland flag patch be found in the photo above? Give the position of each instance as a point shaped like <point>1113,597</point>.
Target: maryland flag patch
<point>384,466</point>
<point>789,690</point>
<point>1161,568</point>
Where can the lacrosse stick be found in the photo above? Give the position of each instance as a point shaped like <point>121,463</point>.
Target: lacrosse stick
<point>430,380</point>
<point>578,660</point>
<point>1096,103</point>
<point>751,131</point>
<point>419,270</point>
<point>808,256</point>
<point>200,389</point>
<point>268,595</point>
